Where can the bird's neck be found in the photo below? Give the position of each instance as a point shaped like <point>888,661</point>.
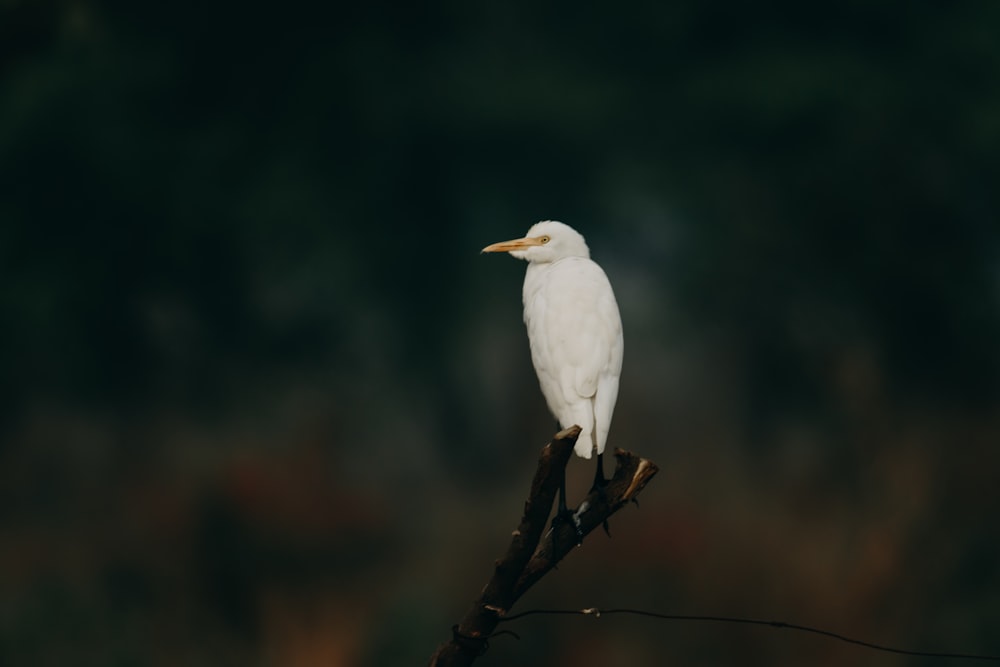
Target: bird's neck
<point>536,270</point>
<point>533,278</point>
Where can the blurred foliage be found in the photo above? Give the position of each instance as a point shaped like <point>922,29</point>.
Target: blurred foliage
<point>247,334</point>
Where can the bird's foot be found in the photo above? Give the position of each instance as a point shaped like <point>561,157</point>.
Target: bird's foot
<point>562,518</point>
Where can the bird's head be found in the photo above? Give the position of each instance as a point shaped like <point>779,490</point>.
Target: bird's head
<point>546,241</point>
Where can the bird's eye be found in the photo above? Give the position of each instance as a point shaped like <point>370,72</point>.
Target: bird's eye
<point>544,239</point>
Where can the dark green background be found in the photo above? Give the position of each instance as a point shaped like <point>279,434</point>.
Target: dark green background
<point>264,404</point>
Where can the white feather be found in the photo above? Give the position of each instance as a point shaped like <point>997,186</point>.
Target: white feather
<point>575,332</point>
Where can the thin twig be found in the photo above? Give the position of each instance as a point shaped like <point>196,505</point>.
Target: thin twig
<point>597,613</point>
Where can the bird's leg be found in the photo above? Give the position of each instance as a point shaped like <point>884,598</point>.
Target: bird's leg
<point>564,514</point>
<point>561,507</point>
<point>600,481</point>
<point>600,484</point>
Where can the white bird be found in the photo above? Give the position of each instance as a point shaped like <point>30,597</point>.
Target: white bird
<point>574,329</point>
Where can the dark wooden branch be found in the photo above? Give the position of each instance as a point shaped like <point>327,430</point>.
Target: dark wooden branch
<point>631,475</point>
<point>526,561</point>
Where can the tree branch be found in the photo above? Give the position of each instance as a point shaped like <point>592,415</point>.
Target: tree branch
<point>526,561</point>
<point>631,475</point>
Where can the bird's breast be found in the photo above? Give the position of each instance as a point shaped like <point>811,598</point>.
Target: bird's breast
<point>572,316</point>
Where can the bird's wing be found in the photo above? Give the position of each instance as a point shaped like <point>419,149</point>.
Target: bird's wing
<point>582,327</point>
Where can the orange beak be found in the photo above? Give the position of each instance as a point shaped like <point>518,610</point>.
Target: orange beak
<point>516,244</point>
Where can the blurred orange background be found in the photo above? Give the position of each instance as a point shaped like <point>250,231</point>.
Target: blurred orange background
<point>265,404</point>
